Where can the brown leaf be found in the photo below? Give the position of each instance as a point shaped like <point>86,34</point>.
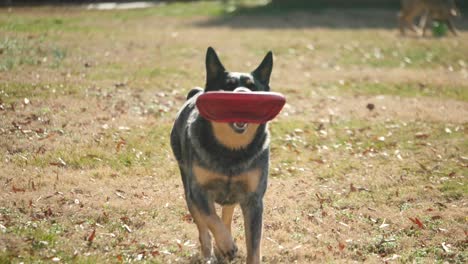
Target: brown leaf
<point>91,237</point>
<point>48,212</point>
<point>59,163</point>
<point>187,218</point>
<point>341,246</point>
<point>417,222</point>
<point>421,135</point>
<point>16,190</point>
<point>121,143</point>
<point>125,220</point>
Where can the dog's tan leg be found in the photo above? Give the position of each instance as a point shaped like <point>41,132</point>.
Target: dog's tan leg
<point>227,212</point>
<point>429,21</point>
<point>223,238</point>
<point>423,22</point>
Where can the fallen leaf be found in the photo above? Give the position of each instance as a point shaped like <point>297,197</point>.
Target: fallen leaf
<point>91,237</point>
<point>187,218</point>
<point>48,212</point>
<point>383,225</point>
<point>126,227</point>
<point>344,224</point>
<point>417,222</point>
<point>341,246</point>
<point>15,189</point>
<point>421,135</point>
<point>121,143</point>
<point>446,247</point>
<point>60,163</point>
<point>120,195</point>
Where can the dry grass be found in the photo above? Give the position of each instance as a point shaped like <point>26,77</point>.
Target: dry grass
<point>87,100</point>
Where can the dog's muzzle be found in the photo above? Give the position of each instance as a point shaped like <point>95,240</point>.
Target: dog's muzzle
<point>240,127</point>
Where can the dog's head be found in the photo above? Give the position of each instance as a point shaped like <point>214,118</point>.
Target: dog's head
<point>218,79</point>
<point>452,8</point>
<point>236,135</point>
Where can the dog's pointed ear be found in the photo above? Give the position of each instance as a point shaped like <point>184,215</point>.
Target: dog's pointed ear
<point>263,71</point>
<point>214,67</point>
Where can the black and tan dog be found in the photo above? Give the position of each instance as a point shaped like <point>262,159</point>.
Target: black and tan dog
<point>226,163</point>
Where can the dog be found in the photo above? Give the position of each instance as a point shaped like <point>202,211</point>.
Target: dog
<point>224,163</point>
<point>440,10</point>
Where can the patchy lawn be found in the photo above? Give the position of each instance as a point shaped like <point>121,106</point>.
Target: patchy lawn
<point>369,156</point>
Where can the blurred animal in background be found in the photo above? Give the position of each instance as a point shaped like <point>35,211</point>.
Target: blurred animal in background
<point>442,11</point>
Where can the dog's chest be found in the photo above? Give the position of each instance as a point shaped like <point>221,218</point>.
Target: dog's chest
<point>224,188</point>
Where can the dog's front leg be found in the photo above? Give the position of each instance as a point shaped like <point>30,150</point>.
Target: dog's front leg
<point>451,27</point>
<point>203,231</point>
<point>253,211</point>
<point>221,233</point>
<point>204,214</point>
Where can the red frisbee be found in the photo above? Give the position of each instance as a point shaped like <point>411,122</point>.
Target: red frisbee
<point>250,107</point>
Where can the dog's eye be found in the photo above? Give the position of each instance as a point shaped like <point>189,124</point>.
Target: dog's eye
<point>250,84</point>
<point>231,83</point>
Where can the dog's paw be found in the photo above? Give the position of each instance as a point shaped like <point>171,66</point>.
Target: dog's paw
<point>227,250</point>
<point>210,260</point>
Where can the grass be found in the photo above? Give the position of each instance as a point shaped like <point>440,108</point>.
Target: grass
<point>12,92</point>
<point>30,52</point>
<point>88,175</point>
<point>406,53</point>
<point>458,92</point>
<point>117,150</point>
